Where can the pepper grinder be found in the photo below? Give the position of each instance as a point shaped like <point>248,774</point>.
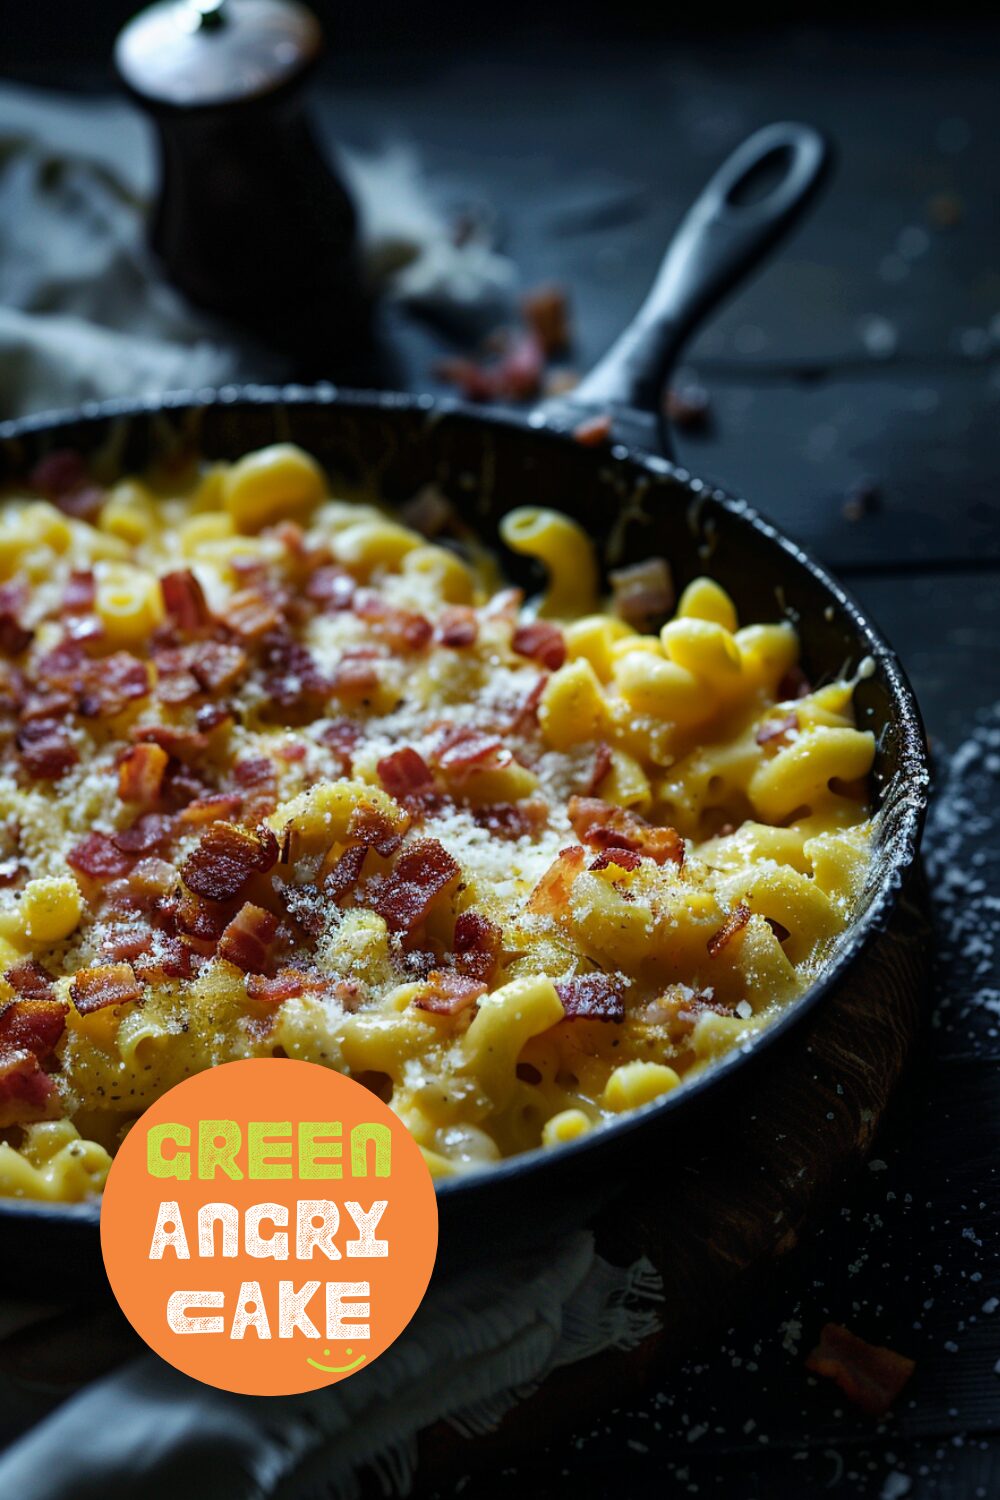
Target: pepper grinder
<point>251,223</point>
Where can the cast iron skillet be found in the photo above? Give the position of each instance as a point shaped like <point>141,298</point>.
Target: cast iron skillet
<point>634,503</point>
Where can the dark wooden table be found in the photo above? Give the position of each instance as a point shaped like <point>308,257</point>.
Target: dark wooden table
<point>867,353</point>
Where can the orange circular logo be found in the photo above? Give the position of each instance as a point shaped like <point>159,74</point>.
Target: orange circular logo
<point>269,1227</point>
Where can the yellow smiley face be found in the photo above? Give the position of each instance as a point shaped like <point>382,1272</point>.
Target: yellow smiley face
<point>338,1369</point>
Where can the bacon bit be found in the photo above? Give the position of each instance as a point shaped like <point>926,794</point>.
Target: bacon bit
<point>541,642</point>
<point>423,872</point>
<point>477,943</point>
<point>457,627</point>
<point>218,666</point>
<point>292,752</point>
<point>46,749</point>
<point>401,629</point>
<point>250,615</point>
<point>30,980</point>
<point>182,743</point>
<point>795,684</point>
<point>777,730</point>
<point>291,673</point>
<point>331,588</point>
<point>140,774</point>
<point>551,895</point>
<point>99,857</point>
<point>344,873</point>
<point>625,859</point>
<point>171,960</point>
<point>27,1093</point>
<point>203,920</point>
<point>175,676</point>
<point>108,984</point>
<point>681,1012</point>
<point>32,1025</point>
<point>405,773</point>
<point>112,683</point>
<point>513,820</point>
<point>734,923</point>
<point>869,1375</point>
<point>607,827</point>
<point>463,750</point>
<point>185,602</point>
<point>126,943</point>
<point>285,985</point>
<point>525,716</point>
<point>14,637</point>
<point>373,829</point>
<point>355,674</point>
<point>80,592</point>
<point>246,940</point>
<point>225,858</point>
<point>219,805</point>
<point>546,311</point>
<point>149,832</point>
<point>516,376</point>
<point>643,592</point>
<point>447,994</point>
<point>341,737</point>
<point>212,716</point>
<point>592,997</point>
<point>62,478</point>
<point>594,431</point>
<point>151,880</point>
<point>602,765</point>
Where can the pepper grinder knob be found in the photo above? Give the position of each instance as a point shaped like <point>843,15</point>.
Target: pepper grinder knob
<point>251,222</point>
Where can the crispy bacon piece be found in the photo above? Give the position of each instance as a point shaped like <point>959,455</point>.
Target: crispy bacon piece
<point>643,592</point>
<point>217,665</point>
<point>251,615</point>
<point>463,750</point>
<point>99,857</point>
<point>210,809</point>
<point>203,920</point>
<point>140,774</point>
<point>605,827</point>
<point>869,1375</point>
<point>423,872</point>
<point>541,642</point>
<point>356,673</point>
<point>602,765</point>
<point>447,994</point>
<point>524,717</point>
<point>30,980</point>
<point>776,731</point>
<point>175,677</point>
<point>212,716</point>
<point>332,588</point>
<point>126,944</point>
<point>225,859</point>
<point>32,1025</point>
<point>341,737</point>
<point>185,602</point>
<point>551,895</point>
<point>112,683</point>
<point>80,592</point>
<point>247,939</point>
<point>401,629</point>
<point>258,778</point>
<point>108,984</point>
<point>592,997</point>
<point>594,431</point>
<point>344,873</point>
<point>184,744</point>
<point>404,773</point>
<point>273,990</point>
<point>513,820</point>
<point>170,958</point>
<point>373,829</point>
<point>477,943</point>
<point>457,627</point>
<point>290,671</point>
<point>625,859</point>
<point>14,637</point>
<point>148,833</point>
<point>46,749</point>
<point>795,684</point>
<point>734,923</point>
<point>27,1093</point>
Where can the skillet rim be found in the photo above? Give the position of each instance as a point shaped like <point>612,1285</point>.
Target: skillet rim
<point>894,861</point>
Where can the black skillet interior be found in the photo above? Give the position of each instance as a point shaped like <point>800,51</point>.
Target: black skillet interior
<point>633,505</point>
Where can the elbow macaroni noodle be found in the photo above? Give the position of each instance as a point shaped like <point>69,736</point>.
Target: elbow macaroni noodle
<point>462,885</point>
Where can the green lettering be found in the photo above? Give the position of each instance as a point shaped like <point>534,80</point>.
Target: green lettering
<point>176,1165</point>
<point>380,1136</point>
<point>268,1136</point>
<point>316,1148</point>
<point>218,1143</point>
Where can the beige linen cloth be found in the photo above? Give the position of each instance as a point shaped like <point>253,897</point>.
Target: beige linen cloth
<point>82,316</point>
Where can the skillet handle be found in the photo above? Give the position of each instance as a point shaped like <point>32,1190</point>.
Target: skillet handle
<point>718,242</point>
